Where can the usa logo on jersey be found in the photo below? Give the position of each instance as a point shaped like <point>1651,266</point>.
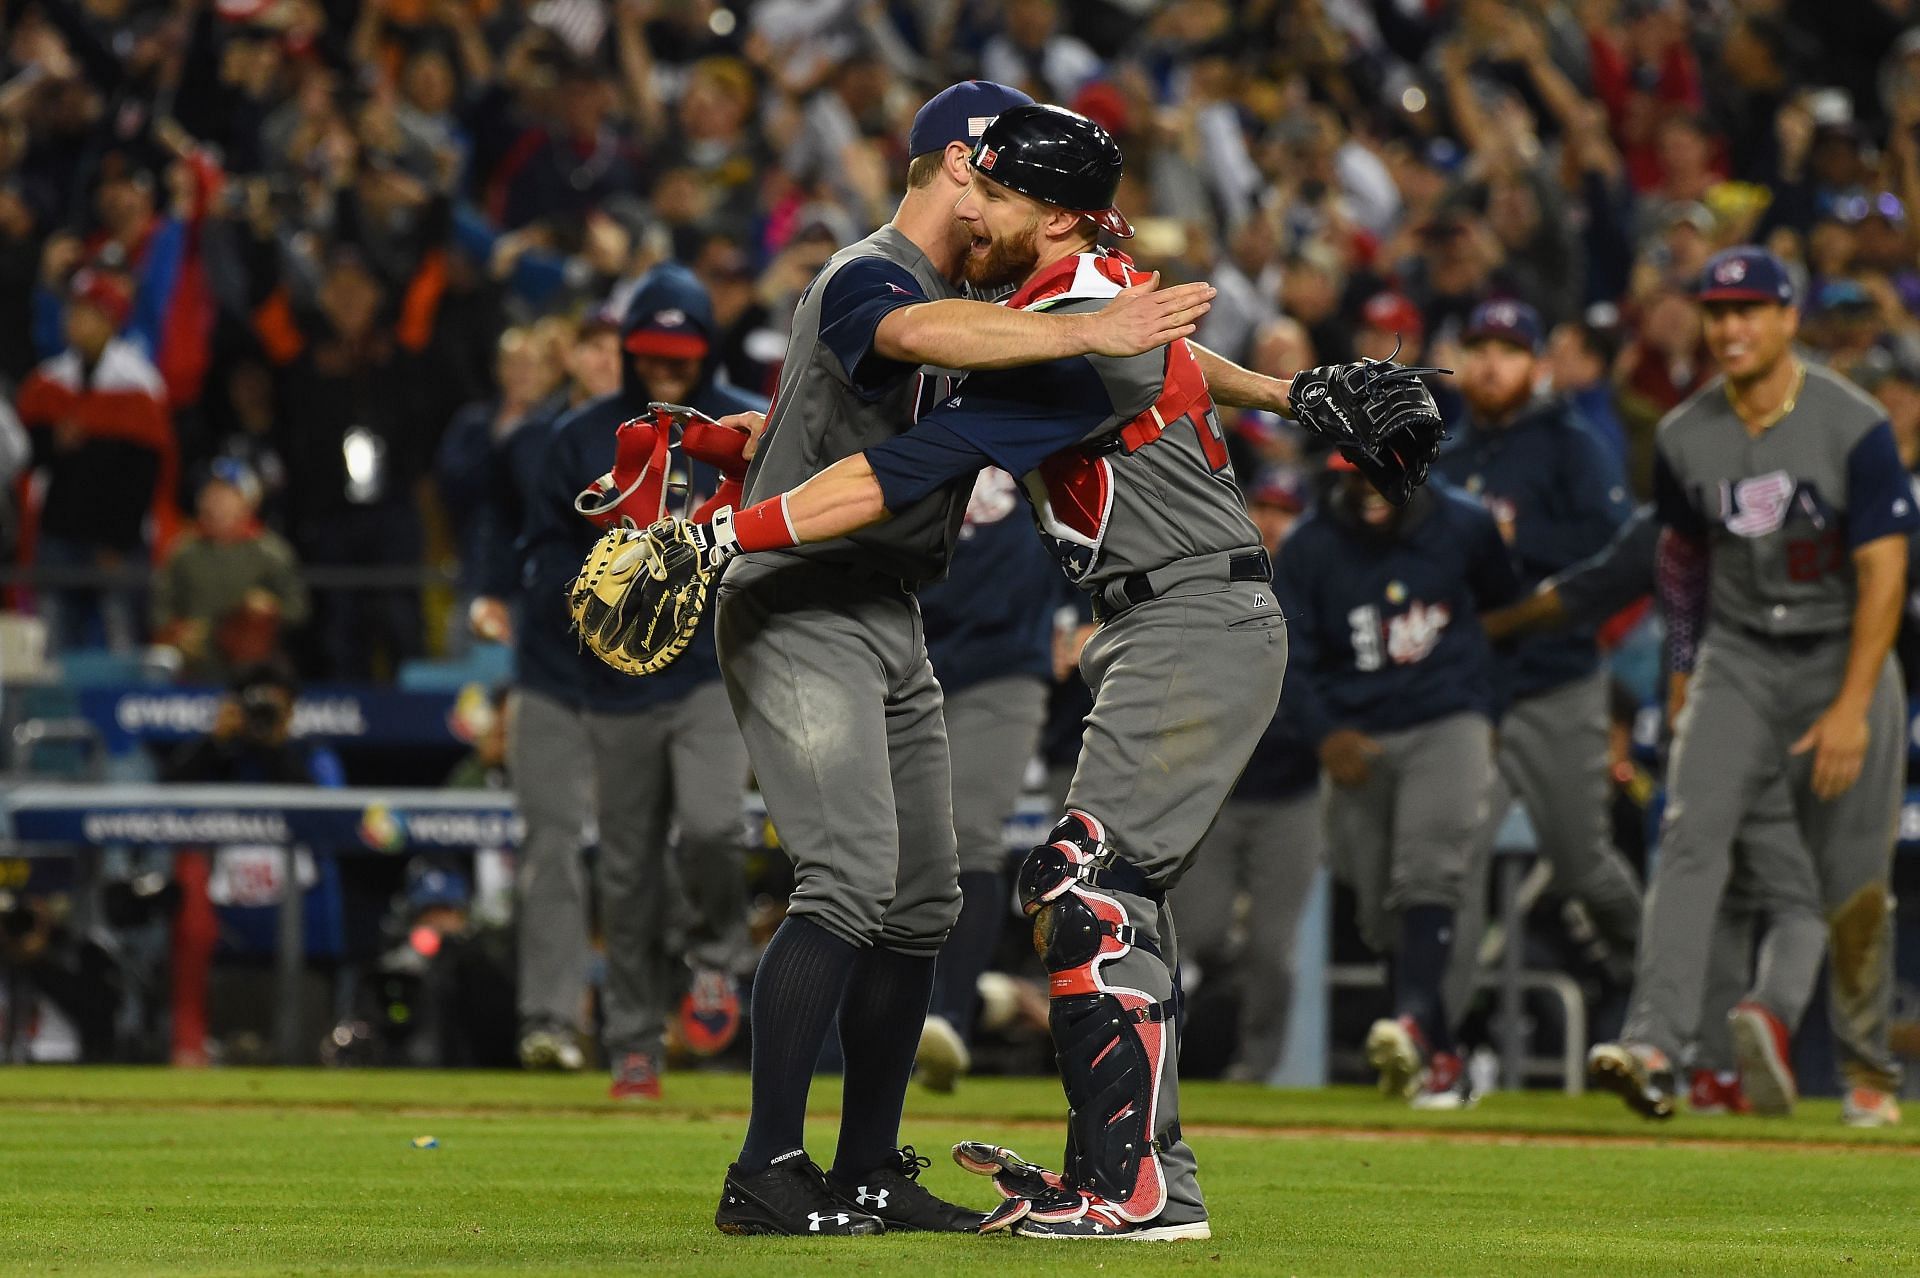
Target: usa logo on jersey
<point>1761,504</point>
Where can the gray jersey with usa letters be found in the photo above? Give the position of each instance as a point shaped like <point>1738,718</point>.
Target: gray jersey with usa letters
<point>824,412</point>
<point>1781,513</point>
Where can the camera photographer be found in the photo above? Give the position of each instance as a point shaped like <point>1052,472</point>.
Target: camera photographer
<point>231,893</point>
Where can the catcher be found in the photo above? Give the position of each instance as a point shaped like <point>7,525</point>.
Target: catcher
<point>1126,469</point>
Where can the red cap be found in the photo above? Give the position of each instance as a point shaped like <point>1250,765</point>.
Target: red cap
<point>669,333</point>
<point>1392,312</point>
<point>104,293</point>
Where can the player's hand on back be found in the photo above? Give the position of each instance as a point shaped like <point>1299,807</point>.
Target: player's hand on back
<point>755,424</point>
<point>1348,754</point>
<point>1838,740</point>
<point>1146,317</point>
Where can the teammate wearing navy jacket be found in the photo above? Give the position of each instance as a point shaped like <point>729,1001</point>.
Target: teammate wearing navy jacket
<point>1393,680</point>
<point>1267,843</point>
<point>653,752</point>
<point>1557,495</point>
<point>990,639</point>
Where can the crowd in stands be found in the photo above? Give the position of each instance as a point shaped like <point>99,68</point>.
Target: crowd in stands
<point>288,285</point>
<point>337,252</point>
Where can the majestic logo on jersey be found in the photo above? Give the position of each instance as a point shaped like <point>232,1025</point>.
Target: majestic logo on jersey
<point>1759,505</point>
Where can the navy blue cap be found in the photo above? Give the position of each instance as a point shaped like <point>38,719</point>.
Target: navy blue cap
<point>1505,320</point>
<point>432,887</point>
<point>960,113</point>
<point>1747,273</point>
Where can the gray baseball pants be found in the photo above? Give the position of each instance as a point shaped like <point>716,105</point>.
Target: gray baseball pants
<point>1749,700</point>
<point>993,729</point>
<point>1773,898</point>
<point>1415,833</point>
<point>1183,687</point>
<point>1269,849</point>
<point>1553,755</point>
<point>678,770</point>
<point>551,756</point>
<point>828,676</point>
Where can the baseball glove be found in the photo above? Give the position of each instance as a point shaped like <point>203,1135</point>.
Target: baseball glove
<point>1379,415</point>
<point>640,595</point>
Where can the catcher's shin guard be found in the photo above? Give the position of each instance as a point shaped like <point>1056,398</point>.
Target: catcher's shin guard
<point>1112,1040</point>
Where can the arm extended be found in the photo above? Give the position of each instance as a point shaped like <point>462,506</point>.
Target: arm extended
<point>958,333</point>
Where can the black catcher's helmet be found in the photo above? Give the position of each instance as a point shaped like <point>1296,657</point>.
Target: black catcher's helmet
<point>1057,157</point>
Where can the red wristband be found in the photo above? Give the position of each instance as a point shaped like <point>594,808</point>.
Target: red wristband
<point>764,526</point>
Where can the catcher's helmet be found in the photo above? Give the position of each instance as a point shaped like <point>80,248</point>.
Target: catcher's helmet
<point>1058,158</point>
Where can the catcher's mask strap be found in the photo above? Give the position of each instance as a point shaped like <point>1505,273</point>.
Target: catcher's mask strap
<point>635,489</point>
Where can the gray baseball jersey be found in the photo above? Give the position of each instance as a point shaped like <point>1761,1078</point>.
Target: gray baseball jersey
<point>1776,518</point>
<point>1123,460</point>
<point>838,396</point>
<point>822,649</point>
<point>1780,513</point>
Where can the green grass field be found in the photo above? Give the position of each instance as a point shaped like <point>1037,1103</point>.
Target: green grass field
<point>293,1172</point>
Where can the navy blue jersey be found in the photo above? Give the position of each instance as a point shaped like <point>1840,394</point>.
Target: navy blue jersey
<point>1559,495</point>
<point>1384,630</point>
<point>993,614</point>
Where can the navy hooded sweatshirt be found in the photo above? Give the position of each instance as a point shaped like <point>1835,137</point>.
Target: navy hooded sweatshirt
<point>578,450</point>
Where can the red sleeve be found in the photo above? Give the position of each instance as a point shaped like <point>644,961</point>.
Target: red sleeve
<point>277,328</point>
<point>43,401</point>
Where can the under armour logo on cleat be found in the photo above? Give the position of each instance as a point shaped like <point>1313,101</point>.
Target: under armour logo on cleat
<point>817,1219</point>
<point>878,1198</point>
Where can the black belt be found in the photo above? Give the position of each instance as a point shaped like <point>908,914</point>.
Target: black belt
<point>1806,641</point>
<point>1252,565</point>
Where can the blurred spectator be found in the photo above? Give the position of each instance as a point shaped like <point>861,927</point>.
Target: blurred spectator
<point>231,587</point>
<point>1666,361</point>
<point>103,441</point>
<point>1580,355</point>
<point>530,368</point>
<point>1033,54</point>
<point>1248,277</point>
<point>359,408</point>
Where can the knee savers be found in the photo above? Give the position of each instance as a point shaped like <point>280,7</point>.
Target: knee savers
<point>1111,1040</point>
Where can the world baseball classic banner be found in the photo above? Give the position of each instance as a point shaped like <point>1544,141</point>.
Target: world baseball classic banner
<point>343,715</point>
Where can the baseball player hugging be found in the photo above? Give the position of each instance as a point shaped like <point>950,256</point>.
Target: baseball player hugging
<point>1123,463</point>
<point>1785,514</point>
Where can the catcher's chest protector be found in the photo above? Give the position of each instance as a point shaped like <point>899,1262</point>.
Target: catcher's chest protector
<point>1073,491</point>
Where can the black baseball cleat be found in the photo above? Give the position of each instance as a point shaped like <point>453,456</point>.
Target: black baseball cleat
<point>1641,1076</point>
<point>791,1199</point>
<point>893,1193</point>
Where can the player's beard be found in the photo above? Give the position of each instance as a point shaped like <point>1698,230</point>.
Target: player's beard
<point>1009,259</point>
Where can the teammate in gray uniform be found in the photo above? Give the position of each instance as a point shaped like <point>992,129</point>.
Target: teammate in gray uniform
<point>1785,514</point>
<point>1558,496</point>
<point>1128,475</point>
<point>1755,997</point>
<point>825,664</point>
